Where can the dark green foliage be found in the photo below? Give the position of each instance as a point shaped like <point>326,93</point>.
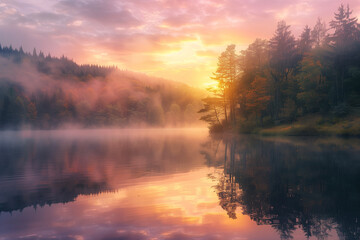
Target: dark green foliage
<point>282,64</point>
<point>341,110</point>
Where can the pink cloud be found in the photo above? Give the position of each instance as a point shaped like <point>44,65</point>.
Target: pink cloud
<point>122,29</point>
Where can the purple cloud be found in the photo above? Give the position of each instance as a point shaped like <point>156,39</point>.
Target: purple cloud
<point>123,31</point>
<point>103,11</point>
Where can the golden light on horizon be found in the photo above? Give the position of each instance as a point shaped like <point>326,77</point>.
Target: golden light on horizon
<point>212,85</point>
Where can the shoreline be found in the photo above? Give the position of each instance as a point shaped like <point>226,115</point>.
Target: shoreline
<point>310,126</point>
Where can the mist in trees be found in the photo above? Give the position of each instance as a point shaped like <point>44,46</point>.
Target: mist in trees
<point>281,79</point>
<point>38,91</point>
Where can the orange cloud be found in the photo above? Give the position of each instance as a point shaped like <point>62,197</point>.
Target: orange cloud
<point>118,32</point>
<point>206,53</point>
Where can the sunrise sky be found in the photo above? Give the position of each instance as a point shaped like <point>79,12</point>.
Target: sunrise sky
<point>173,39</point>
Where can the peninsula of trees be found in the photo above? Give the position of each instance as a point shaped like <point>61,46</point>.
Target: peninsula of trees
<point>295,86</point>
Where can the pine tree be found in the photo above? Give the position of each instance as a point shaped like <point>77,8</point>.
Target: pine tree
<point>345,27</point>
<point>318,34</point>
<point>226,76</point>
<point>345,34</point>
<point>283,60</point>
<point>21,51</point>
<point>252,62</point>
<point>305,41</point>
<point>34,53</point>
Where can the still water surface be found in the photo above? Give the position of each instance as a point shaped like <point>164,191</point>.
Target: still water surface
<point>176,184</point>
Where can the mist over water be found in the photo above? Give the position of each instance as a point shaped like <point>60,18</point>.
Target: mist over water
<point>176,184</point>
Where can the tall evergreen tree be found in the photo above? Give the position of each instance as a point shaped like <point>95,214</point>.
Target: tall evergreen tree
<point>226,76</point>
<point>345,33</point>
<point>305,41</point>
<point>283,60</point>
<point>318,33</point>
<point>252,62</point>
<point>345,27</point>
<point>34,53</point>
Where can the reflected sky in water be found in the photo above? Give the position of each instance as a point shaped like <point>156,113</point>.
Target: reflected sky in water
<point>176,184</point>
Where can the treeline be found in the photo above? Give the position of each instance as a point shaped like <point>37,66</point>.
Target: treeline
<point>38,91</point>
<point>279,80</point>
<point>57,67</point>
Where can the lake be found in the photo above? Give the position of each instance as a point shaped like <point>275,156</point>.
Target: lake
<point>176,184</point>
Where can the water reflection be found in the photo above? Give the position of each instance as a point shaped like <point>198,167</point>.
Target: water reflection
<point>144,184</point>
<point>311,184</point>
<point>41,167</point>
<point>176,184</point>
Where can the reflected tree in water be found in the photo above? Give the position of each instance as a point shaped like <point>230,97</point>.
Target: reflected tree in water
<point>310,184</point>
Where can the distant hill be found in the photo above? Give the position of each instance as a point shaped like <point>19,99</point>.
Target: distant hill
<point>41,91</point>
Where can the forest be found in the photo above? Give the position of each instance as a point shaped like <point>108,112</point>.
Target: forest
<point>308,85</point>
<point>45,92</point>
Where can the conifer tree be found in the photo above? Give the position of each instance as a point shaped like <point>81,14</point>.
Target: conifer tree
<point>318,33</point>
<point>283,60</point>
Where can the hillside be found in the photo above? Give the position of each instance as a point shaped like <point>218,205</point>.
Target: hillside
<point>38,91</point>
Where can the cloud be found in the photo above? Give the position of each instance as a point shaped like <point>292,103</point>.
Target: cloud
<point>127,235</point>
<point>103,11</point>
<point>179,20</point>
<point>139,42</point>
<point>206,53</point>
<point>179,236</point>
<point>110,31</point>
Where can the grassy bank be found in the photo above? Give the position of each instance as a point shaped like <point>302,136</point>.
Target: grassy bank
<point>316,126</point>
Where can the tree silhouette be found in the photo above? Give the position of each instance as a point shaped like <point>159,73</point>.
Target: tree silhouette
<point>288,185</point>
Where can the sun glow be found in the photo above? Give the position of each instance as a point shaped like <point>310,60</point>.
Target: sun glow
<point>211,85</point>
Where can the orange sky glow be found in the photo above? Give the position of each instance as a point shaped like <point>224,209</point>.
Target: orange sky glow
<point>174,39</point>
